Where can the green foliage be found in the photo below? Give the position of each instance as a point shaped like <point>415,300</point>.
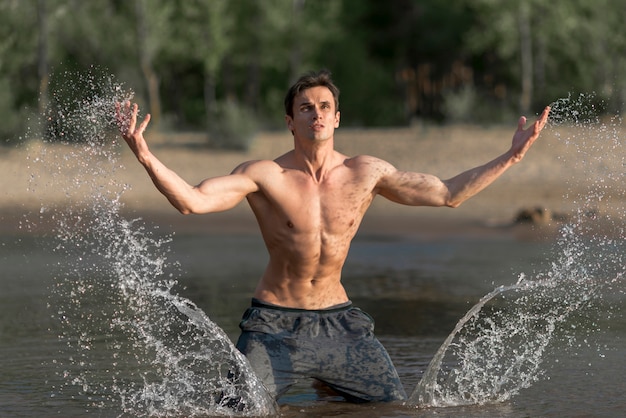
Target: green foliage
<point>232,126</point>
<point>459,105</point>
<point>11,120</point>
<point>457,60</point>
<point>578,46</point>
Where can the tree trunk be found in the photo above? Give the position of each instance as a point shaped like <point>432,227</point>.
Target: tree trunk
<point>145,61</point>
<point>209,104</point>
<point>42,55</point>
<point>526,56</point>
<point>295,56</point>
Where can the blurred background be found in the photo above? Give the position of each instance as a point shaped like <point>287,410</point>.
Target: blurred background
<point>223,66</point>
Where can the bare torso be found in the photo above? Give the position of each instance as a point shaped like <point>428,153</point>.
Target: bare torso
<point>310,201</point>
<point>307,224</point>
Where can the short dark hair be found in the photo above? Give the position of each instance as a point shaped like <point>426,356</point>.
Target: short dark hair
<point>307,81</point>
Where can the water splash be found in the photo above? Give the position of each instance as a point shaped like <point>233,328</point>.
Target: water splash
<point>501,346</point>
<point>131,343</point>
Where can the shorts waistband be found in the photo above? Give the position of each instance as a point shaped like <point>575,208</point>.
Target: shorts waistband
<point>256,303</point>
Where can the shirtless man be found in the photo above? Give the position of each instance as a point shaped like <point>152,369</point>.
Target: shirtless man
<point>309,204</point>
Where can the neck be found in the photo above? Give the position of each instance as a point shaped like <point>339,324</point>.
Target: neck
<point>315,158</point>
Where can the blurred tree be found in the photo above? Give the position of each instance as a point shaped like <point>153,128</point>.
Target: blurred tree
<point>43,66</point>
<point>266,61</point>
<point>200,39</point>
<point>152,21</point>
<point>80,49</point>
<point>258,60</point>
<point>550,49</point>
<point>369,93</point>
<point>18,66</point>
<point>427,59</point>
<point>526,56</point>
<point>585,49</point>
<point>421,43</point>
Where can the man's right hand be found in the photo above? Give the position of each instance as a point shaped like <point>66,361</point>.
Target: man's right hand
<point>132,134</point>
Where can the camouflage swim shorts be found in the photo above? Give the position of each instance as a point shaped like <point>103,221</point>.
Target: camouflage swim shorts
<point>335,346</point>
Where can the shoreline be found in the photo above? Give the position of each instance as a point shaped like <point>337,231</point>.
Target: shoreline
<point>550,178</point>
<point>241,221</point>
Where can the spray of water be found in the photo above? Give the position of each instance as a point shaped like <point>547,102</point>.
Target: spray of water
<point>503,343</point>
<point>131,343</point>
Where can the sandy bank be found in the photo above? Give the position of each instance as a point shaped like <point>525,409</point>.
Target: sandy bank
<point>557,174</point>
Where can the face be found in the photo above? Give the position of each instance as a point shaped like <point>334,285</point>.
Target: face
<point>314,115</point>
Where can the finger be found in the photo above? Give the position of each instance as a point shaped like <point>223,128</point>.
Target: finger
<point>118,117</point>
<point>125,112</point>
<point>144,123</point>
<point>521,122</point>
<point>133,118</point>
<point>543,118</point>
<point>546,113</point>
<point>121,116</point>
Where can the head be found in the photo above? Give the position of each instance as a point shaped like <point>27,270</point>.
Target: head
<point>307,81</point>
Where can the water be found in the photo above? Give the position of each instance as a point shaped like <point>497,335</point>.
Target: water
<point>499,351</point>
<point>586,379</point>
<point>109,315</point>
<point>113,298</point>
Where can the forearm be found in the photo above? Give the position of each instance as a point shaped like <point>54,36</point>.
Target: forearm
<point>212,195</point>
<point>469,183</point>
<point>177,191</point>
<point>418,189</point>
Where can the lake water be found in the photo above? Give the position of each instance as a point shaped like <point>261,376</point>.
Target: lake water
<point>415,289</point>
<point>105,315</point>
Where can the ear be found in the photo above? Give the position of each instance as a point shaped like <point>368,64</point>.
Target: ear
<point>337,117</point>
<point>289,122</point>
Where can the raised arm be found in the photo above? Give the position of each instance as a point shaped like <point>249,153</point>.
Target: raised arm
<point>211,195</point>
<point>426,190</point>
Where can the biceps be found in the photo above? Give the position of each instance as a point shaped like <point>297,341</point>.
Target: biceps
<point>222,193</point>
<point>414,189</point>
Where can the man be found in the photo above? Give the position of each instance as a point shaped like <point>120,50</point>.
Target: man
<point>309,204</point>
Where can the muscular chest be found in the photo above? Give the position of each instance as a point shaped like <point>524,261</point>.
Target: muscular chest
<point>334,205</point>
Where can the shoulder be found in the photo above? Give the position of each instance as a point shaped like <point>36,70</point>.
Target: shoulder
<point>253,167</point>
<point>257,172</point>
<point>370,164</point>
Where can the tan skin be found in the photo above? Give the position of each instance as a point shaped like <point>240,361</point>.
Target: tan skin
<point>310,201</point>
